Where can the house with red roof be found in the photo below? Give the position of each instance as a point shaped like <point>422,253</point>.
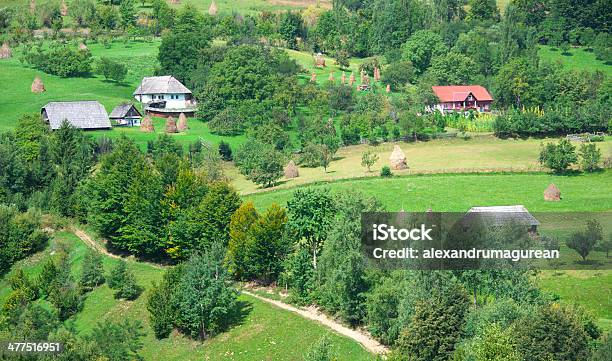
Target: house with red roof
<point>462,98</point>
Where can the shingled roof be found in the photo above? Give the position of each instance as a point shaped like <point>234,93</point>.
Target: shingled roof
<point>121,111</point>
<point>458,93</point>
<point>502,215</point>
<point>161,85</point>
<point>81,114</point>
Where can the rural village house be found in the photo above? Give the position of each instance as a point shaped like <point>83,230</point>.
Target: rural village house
<point>462,98</point>
<point>498,216</point>
<point>165,96</point>
<point>126,114</point>
<point>86,115</point>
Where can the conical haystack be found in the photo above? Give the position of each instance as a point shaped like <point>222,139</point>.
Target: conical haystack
<point>319,60</point>
<point>5,51</point>
<point>398,158</point>
<point>291,170</point>
<point>343,78</point>
<point>175,2</point>
<point>32,6</point>
<point>146,125</point>
<point>63,8</point>
<point>352,79</point>
<point>376,74</point>
<point>212,9</point>
<point>388,90</point>
<point>331,76</point>
<point>552,193</point>
<point>37,85</point>
<point>182,123</point>
<point>171,125</point>
<point>313,77</point>
<point>82,46</point>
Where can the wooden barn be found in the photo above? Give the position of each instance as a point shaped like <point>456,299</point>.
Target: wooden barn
<point>126,114</point>
<point>87,115</point>
<point>462,98</point>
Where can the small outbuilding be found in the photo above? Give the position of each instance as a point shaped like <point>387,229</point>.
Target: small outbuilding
<point>5,51</point>
<point>552,193</point>
<point>87,115</point>
<point>499,216</point>
<point>398,159</point>
<point>126,114</point>
<point>291,170</point>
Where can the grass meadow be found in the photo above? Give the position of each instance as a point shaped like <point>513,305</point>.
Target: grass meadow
<point>578,58</point>
<point>263,333</point>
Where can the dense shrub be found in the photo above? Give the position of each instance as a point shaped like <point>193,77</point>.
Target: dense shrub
<point>227,122</point>
<point>60,59</point>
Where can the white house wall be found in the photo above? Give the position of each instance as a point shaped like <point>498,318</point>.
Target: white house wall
<point>178,103</point>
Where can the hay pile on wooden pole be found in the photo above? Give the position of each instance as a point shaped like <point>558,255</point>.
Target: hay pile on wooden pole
<point>313,77</point>
<point>388,89</point>
<point>37,85</point>
<point>146,125</point>
<point>64,8</point>
<point>83,47</point>
<point>212,9</point>
<point>5,51</point>
<point>171,125</point>
<point>552,193</point>
<point>331,76</point>
<point>182,123</point>
<point>352,79</point>
<point>398,159</point>
<point>291,170</point>
<point>376,74</point>
<point>343,78</point>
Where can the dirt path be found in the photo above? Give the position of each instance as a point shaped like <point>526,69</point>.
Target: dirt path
<point>90,242</point>
<point>363,338</point>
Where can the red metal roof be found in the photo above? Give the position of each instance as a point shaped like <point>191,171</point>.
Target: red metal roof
<point>453,93</point>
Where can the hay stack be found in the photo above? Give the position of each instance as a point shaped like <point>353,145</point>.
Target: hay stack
<point>212,9</point>
<point>182,123</point>
<point>343,78</point>
<point>388,90</point>
<point>83,47</point>
<point>319,60</point>
<point>146,125</point>
<point>171,125</point>
<point>5,51</point>
<point>331,76</point>
<point>352,79</point>
<point>398,159</point>
<point>63,8</point>
<point>37,85</point>
<point>175,2</point>
<point>313,77</point>
<point>32,6</point>
<point>552,193</point>
<point>291,170</point>
<point>376,73</point>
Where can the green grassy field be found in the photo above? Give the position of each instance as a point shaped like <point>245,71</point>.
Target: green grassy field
<point>578,59</point>
<point>264,333</point>
<point>479,154</point>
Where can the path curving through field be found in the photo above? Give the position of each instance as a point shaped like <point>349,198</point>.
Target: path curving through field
<point>312,314</point>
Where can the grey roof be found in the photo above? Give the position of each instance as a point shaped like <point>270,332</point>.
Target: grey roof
<point>161,85</point>
<point>501,215</point>
<point>81,114</point>
<point>121,110</point>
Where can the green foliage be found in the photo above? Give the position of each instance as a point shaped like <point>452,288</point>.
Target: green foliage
<point>496,344</point>
<point>237,249</point>
<point>92,273</point>
<point>452,69</point>
<point>227,122</point>
<point>205,298</point>
<point>20,236</point>
<point>225,151</point>
<point>117,341</point>
<point>385,171</point>
<point>398,74</point>
<point>290,28</point>
<point>571,341</point>
<point>558,157</point>
<point>421,48</point>
<point>122,280</point>
<point>603,351</point>
<point>260,163</point>
<point>298,275</point>
<point>161,302</point>
<point>483,9</point>
<point>590,156</point>
<point>585,241</point>
<point>368,159</point>
<point>111,69</point>
<point>435,325</point>
<point>60,59</point>
<point>320,351</point>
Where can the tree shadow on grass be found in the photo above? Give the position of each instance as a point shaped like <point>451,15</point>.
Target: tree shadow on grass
<point>239,314</point>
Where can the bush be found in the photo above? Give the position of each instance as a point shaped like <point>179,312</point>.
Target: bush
<point>111,69</point>
<point>123,281</point>
<point>225,151</point>
<point>61,60</point>
<point>590,156</point>
<point>558,157</point>
<point>386,171</point>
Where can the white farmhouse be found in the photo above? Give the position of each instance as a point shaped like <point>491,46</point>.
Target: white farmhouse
<point>164,96</point>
